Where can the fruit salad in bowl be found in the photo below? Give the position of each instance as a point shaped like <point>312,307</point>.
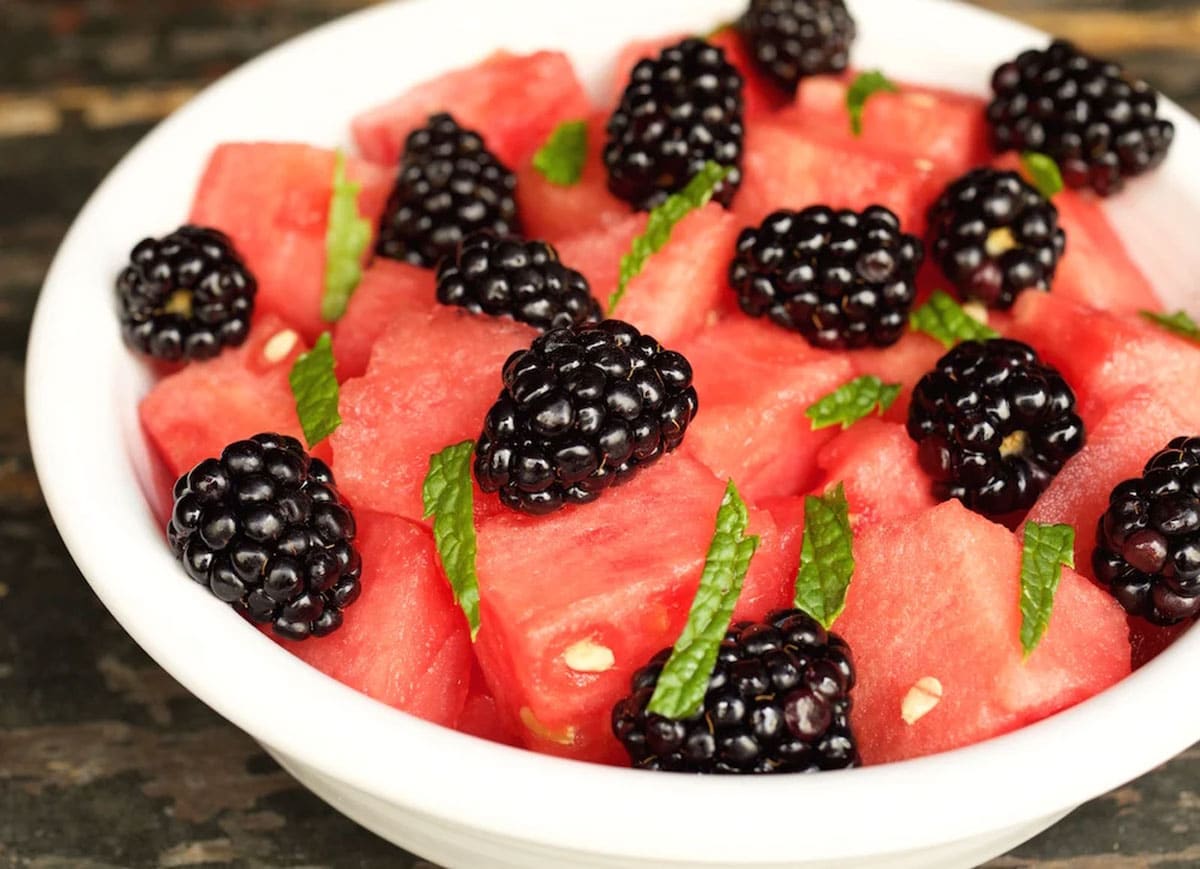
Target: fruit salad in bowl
<point>734,395</point>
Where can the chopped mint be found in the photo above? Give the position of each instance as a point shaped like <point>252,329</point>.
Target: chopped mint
<point>1179,323</point>
<point>852,401</point>
<point>864,86</point>
<point>346,240</point>
<point>826,556</point>
<point>560,160</point>
<point>662,220</point>
<point>1043,173</point>
<point>684,679</point>
<point>1046,549</point>
<point>450,501</point>
<point>316,391</point>
<point>944,319</point>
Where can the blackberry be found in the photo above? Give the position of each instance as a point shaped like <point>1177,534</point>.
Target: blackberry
<point>186,295</point>
<point>1148,540</point>
<point>791,39</point>
<point>993,425</point>
<point>449,186</point>
<point>778,700</point>
<point>995,236</point>
<point>839,278</point>
<point>584,408</point>
<point>679,111</point>
<point>1100,125</point>
<point>520,279</point>
<point>263,529</point>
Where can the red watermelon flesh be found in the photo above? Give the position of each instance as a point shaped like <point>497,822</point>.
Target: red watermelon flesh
<point>1147,641</point>
<point>430,382</point>
<point>937,595</point>
<point>273,201</point>
<point>388,290</point>
<point>513,101</point>
<point>755,381</point>
<point>610,585</point>
<point>481,715</point>
<point>404,642</point>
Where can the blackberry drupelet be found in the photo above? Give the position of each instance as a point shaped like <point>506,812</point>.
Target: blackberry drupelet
<point>450,185</point>
<point>840,278</point>
<point>778,701</point>
<point>995,236</point>
<point>520,279</point>
<point>263,528</point>
<point>679,111</point>
<point>993,425</point>
<point>584,408</point>
<point>791,39</point>
<point>1098,124</point>
<point>186,295</point>
<point>1148,540</point>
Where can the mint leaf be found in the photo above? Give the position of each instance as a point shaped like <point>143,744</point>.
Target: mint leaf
<point>944,319</point>
<point>1179,323</point>
<point>826,556</point>
<point>1043,173</point>
<point>852,401</point>
<point>1046,549</point>
<point>684,680</point>
<point>450,500</point>
<point>864,86</point>
<point>662,220</point>
<point>316,391</point>
<point>346,240</point>
<point>560,160</point>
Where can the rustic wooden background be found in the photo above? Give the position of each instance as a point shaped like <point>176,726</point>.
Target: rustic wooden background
<point>104,760</point>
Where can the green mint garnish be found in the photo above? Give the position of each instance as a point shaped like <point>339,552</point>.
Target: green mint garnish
<point>560,160</point>
<point>1043,173</point>
<point>864,86</point>
<point>662,220</point>
<point>944,319</point>
<point>1046,549</point>
<point>346,240</point>
<point>826,556</point>
<point>316,391</point>
<point>449,499</point>
<point>684,679</point>
<point>1179,323</point>
<point>852,401</point>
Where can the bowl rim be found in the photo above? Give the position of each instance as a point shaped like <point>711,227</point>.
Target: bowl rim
<point>1031,773</point>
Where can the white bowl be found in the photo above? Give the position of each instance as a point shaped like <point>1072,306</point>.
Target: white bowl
<point>456,799</point>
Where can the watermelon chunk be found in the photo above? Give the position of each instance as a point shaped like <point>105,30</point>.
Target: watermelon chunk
<point>481,716</point>
<point>937,595</point>
<point>513,101</point>
<point>405,641</point>
<point>273,201</point>
<point>562,633</point>
<point>388,290</point>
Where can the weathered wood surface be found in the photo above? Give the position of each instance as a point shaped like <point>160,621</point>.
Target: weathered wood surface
<point>104,760</point>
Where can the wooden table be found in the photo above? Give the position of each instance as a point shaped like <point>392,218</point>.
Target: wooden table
<point>106,761</point>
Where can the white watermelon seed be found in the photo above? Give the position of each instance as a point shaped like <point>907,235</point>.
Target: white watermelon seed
<point>920,699</point>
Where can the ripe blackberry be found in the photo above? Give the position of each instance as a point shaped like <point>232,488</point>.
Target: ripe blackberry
<point>993,425</point>
<point>1099,125</point>
<point>584,408</point>
<point>679,111</point>
<point>995,236</point>
<point>1148,540</point>
<point>839,278</point>
<point>520,279</point>
<point>264,529</point>
<point>186,295</point>
<point>790,39</point>
<point>778,700</point>
<point>449,186</point>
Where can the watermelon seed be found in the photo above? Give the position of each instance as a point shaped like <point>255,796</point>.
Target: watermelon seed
<point>587,656</point>
<point>565,736</point>
<point>280,345</point>
<point>924,164</point>
<point>925,694</point>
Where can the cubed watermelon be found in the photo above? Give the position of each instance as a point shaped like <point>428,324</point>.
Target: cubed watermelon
<point>273,201</point>
<point>481,715</point>
<point>388,290</point>
<point>513,100</point>
<point>937,595</point>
